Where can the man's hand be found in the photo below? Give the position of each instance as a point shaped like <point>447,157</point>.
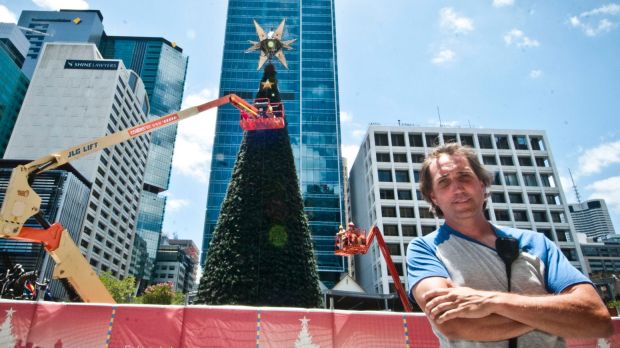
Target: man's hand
<point>443,304</point>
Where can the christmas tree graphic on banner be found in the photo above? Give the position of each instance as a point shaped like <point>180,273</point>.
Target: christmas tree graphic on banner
<point>6,330</point>
<point>304,340</point>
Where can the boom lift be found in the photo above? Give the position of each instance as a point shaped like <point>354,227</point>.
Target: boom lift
<point>21,202</point>
<point>354,241</point>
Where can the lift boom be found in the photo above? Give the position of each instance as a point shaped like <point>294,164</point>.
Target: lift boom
<point>21,202</point>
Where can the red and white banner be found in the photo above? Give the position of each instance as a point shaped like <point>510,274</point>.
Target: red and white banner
<point>48,324</point>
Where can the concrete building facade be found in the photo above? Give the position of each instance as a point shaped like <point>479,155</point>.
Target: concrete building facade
<point>76,96</point>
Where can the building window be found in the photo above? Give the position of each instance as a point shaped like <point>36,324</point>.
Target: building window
<point>515,198</point>
<point>385,175</point>
<point>563,235</point>
<point>502,215</point>
<point>400,157</point>
<point>416,175</point>
<point>497,179</point>
<point>520,215</point>
<point>381,139</point>
<point>418,195</point>
<point>485,141</point>
<point>535,198</point>
<point>394,248</point>
<point>426,229</point>
<point>570,254</point>
<point>398,140</point>
<point>408,230</point>
<point>537,143</point>
<point>520,142</point>
<point>426,213</point>
<point>547,180</point>
<point>525,161</point>
<point>542,161</point>
<point>529,179</point>
<point>405,195</point>
<point>401,175</point>
<point>383,157</point>
<point>407,212</point>
<point>553,199</point>
<point>388,211</point>
<point>415,140</point>
<point>386,193</point>
<point>506,160</point>
<point>546,232</point>
<point>449,138</point>
<point>501,141</point>
<point>557,216</point>
<point>390,230</point>
<point>432,140</point>
<point>539,216</point>
<point>467,140</point>
<point>498,197</point>
<point>511,179</point>
<point>417,158</point>
<point>489,160</point>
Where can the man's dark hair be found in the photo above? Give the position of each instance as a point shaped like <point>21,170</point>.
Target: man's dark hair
<point>426,181</point>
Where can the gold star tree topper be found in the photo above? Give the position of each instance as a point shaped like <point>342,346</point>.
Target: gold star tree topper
<point>270,44</point>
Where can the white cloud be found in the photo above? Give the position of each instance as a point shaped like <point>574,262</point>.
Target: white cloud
<point>191,34</point>
<point>176,204</point>
<point>358,133</point>
<point>587,22</point>
<point>6,16</point>
<point>192,153</point>
<point>534,74</point>
<point>518,38</point>
<point>62,4</point>
<point>444,56</point>
<point>448,19</point>
<point>345,117</point>
<point>594,160</point>
<point>350,152</point>
<point>502,3</point>
<point>609,190</point>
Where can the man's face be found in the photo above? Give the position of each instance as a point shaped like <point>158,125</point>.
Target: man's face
<point>456,188</point>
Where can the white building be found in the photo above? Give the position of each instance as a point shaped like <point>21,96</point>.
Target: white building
<point>76,96</point>
<point>592,218</point>
<point>384,181</point>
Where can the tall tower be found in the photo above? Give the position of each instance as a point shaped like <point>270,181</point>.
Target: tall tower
<point>309,91</point>
<point>162,66</point>
<point>58,26</point>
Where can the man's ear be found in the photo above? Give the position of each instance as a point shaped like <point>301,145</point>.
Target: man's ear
<point>432,196</point>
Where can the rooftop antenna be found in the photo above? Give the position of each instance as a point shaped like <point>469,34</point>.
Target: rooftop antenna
<point>469,123</point>
<point>574,186</point>
<point>439,115</point>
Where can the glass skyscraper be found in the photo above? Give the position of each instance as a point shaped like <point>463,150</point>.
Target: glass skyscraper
<point>162,67</point>
<point>309,90</point>
<point>13,82</point>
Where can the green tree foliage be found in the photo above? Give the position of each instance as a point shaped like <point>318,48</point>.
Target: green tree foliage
<point>261,252</point>
<point>162,293</point>
<point>121,290</point>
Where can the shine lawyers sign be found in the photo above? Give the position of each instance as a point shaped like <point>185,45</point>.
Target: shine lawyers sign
<point>91,64</point>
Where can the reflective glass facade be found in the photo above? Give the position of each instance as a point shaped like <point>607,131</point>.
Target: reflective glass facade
<point>309,90</point>
<point>58,26</point>
<point>13,86</point>
<point>162,68</point>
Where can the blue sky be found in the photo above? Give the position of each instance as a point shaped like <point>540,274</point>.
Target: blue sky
<point>551,65</point>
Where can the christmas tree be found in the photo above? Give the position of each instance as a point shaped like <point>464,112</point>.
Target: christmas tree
<point>261,252</point>
<point>6,330</point>
<point>304,340</point>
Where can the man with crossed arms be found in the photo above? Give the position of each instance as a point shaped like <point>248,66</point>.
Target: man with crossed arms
<point>459,280</point>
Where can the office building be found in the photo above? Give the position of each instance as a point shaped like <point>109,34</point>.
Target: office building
<point>603,255</point>
<point>309,91</point>
<point>162,67</point>
<point>177,260</point>
<point>592,218</point>
<point>58,26</point>
<point>13,82</point>
<point>384,182</point>
<point>74,97</point>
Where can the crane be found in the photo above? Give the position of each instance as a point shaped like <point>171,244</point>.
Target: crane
<point>354,241</point>
<point>21,202</point>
